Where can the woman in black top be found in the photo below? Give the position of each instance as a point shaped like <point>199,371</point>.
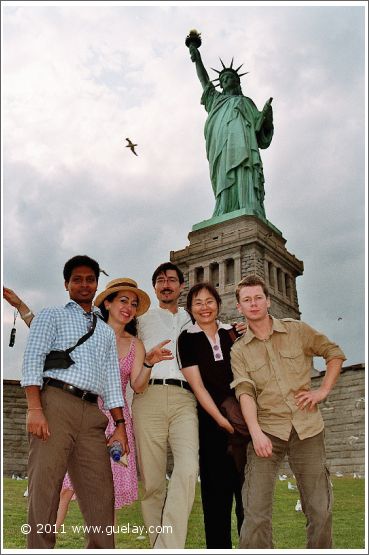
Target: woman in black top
<point>204,351</point>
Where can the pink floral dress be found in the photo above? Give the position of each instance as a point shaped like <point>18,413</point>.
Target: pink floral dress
<point>124,478</point>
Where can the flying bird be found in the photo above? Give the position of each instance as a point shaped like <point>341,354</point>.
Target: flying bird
<point>131,146</point>
<point>339,318</point>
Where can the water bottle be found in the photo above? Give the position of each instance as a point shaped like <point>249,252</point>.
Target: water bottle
<point>115,451</point>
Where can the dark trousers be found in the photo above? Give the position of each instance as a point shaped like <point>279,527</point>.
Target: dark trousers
<point>77,443</point>
<point>220,484</point>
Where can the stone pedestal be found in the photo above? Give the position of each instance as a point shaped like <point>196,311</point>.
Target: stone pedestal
<point>226,252</point>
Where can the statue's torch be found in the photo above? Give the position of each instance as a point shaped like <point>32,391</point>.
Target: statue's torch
<point>193,39</point>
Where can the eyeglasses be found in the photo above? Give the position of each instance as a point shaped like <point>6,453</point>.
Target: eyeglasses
<point>162,280</point>
<point>199,304</point>
<point>255,300</point>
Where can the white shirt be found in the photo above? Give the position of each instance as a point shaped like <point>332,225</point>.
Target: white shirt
<point>157,325</point>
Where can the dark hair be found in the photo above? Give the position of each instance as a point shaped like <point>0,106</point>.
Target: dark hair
<point>81,260</point>
<point>193,292</point>
<point>131,327</point>
<point>251,281</point>
<point>163,268</point>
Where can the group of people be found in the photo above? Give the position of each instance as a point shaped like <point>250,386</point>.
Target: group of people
<point>182,364</point>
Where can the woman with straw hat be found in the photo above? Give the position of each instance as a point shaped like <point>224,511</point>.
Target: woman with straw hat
<point>120,303</point>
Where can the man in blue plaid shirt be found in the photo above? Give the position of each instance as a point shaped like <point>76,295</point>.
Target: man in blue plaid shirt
<point>66,428</point>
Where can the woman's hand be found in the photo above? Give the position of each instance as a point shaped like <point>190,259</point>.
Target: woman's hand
<point>241,327</point>
<point>159,353</point>
<point>120,435</point>
<point>224,423</point>
<point>11,297</point>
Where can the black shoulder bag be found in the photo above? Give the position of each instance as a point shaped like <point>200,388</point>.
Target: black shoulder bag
<point>62,359</point>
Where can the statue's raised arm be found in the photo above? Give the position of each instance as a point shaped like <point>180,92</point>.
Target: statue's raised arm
<point>235,130</point>
<point>200,69</point>
<point>193,41</point>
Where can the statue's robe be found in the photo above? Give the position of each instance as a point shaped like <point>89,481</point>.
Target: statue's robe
<point>232,146</point>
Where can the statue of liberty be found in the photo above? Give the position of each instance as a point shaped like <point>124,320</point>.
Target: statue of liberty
<point>234,132</point>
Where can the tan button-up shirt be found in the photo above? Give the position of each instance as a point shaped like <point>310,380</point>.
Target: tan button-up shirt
<point>273,370</point>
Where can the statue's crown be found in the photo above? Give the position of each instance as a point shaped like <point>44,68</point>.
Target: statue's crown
<point>227,70</point>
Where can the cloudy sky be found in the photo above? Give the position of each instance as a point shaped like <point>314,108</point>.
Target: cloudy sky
<point>78,79</point>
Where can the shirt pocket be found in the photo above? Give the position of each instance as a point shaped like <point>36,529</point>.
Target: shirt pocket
<point>294,361</point>
<point>259,373</point>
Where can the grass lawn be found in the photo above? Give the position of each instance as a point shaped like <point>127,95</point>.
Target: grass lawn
<point>289,525</point>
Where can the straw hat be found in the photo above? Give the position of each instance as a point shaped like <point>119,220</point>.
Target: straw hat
<point>125,284</point>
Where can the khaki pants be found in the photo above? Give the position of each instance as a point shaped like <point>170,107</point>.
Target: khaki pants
<point>162,415</point>
<point>77,443</point>
<point>308,463</point>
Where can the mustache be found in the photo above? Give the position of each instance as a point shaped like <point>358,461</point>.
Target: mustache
<point>166,290</point>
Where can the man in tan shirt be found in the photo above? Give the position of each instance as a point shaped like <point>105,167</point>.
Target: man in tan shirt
<point>271,365</point>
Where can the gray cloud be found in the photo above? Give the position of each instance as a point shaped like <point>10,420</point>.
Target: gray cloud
<point>81,79</point>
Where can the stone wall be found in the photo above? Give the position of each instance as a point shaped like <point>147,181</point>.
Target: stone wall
<point>344,418</point>
<point>15,442</point>
<point>343,413</point>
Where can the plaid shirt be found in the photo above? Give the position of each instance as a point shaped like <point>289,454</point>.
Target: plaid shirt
<point>96,366</point>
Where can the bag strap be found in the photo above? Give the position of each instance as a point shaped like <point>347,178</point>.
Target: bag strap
<point>84,337</point>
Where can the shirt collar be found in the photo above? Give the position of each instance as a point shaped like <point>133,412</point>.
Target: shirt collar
<point>195,328</point>
<point>166,310</point>
<point>277,326</point>
<point>76,306</point>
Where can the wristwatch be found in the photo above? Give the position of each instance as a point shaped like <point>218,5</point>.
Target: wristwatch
<point>119,421</point>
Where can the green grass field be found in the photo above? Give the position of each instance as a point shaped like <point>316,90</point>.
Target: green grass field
<point>289,525</point>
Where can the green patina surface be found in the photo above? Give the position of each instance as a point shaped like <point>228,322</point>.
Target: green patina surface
<point>230,216</point>
<point>235,130</point>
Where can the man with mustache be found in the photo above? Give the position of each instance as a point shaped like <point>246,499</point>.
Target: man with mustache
<point>164,413</point>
